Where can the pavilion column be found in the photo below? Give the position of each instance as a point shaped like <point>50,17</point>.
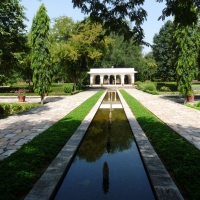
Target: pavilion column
<point>91,79</point>
<point>115,79</point>
<point>108,79</point>
<point>122,79</point>
<point>133,78</point>
<point>101,79</point>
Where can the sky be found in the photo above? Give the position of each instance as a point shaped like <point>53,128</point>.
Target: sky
<point>57,8</point>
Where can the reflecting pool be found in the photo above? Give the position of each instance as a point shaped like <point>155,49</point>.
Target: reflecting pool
<point>107,165</point>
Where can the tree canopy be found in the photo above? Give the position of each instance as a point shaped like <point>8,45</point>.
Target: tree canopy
<point>114,14</point>
<point>147,69</point>
<point>184,11</point>
<point>12,35</point>
<point>122,53</point>
<point>164,52</point>
<point>77,46</point>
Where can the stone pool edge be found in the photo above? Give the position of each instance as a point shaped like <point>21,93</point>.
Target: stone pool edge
<point>163,185</point>
<point>49,181</point>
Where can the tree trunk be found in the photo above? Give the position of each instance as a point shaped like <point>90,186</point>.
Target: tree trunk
<point>42,100</point>
<point>74,79</point>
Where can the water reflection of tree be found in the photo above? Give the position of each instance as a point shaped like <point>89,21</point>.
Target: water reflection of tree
<point>94,144</point>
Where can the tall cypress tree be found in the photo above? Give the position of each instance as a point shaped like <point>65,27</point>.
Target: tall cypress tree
<point>42,73</point>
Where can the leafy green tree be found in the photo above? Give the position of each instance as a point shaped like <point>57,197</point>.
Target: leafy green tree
<point>164,53</point>
<point>185,12</point>
<point>12,36</point>
<point>77,46</point>
<point>61,32</point>
<point>147,68</point>
<point>187,41</point>
<point>42,72</point>
<point>25,67</point>
<point>122,54</point>
<point>187,52</point>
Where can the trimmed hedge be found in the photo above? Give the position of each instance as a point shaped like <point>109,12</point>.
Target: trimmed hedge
<point>13,108</point>
<point>171,85</point>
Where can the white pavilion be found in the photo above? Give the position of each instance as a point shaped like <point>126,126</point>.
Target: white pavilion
<point>112,76</point>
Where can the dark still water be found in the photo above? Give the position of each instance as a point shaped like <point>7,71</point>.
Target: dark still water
<point>107,165</point>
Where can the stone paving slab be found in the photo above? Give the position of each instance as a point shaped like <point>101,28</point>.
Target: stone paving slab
<point>182,119</point>
<point>23,127</point>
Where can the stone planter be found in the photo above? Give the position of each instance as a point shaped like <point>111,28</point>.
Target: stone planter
<point>21,98</point>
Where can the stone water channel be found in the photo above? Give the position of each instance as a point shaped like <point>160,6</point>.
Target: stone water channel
<point>107,164</point>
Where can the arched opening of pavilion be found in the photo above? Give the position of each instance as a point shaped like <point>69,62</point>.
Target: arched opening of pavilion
<point>127,79</point>
<point>97,79</point>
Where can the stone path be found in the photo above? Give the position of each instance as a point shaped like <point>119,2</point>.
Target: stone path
<point>182,119</point>
<point>21,128</point>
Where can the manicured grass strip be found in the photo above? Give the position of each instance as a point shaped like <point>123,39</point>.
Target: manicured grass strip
<point>180,157</point>
<point>20,171</point>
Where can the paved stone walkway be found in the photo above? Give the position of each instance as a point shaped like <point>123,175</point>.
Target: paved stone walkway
<point>21,128</point>
<point>184,120</point>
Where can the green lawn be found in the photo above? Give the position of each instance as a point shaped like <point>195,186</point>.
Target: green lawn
<point>194,106</point>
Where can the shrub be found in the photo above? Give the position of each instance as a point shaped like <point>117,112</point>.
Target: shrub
<point>150,86</point>
<point>79,85</point>
<point>75,92</point>
<point>198,104</point>
<point>148,81</point>
<point>6,108</point>
<point>9,109</point>
<point>68,88</point>
<point>137,83</point>
<point>171,85</point>
<point>165,89</point>
<point>86,82</point>
<point>195,106</point>
<point>15,108</point>
<point>152,92</point>
<point>1,110</point>
<point>147,86</point>
<point>141,86</point>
